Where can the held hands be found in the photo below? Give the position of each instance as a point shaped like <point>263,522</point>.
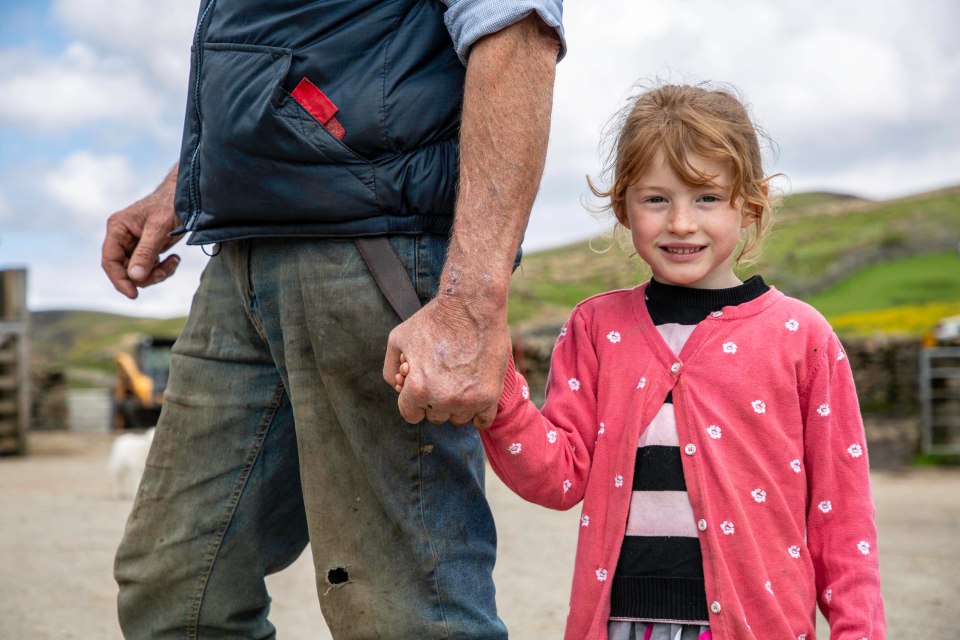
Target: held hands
<point>135,238</point>
<point>402,374</point>
<point>447,366</point>
<point>401,377</point>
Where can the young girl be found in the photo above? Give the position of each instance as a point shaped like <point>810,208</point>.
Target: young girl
<point>710,426</point>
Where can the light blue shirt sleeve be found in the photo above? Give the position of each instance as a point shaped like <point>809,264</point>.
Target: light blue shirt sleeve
<point>469,20</point>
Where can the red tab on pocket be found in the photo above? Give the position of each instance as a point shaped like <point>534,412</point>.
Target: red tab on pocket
<point>317,104</point>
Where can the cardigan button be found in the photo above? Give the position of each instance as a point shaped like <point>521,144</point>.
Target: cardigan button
<point>717,314</point>
<point>715,606</point>
<point>690,449</point>
<point>675,367</point>
<point>702,524</point>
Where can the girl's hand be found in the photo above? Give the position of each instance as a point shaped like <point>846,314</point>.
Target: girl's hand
<point>402,375</point>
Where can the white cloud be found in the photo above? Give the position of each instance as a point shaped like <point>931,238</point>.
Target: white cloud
<point>90,187</point>
<point>74,89</point>
<point>888,176</point>
<point>836,77</point>
<point>838,86</point>
<point>157,36</point>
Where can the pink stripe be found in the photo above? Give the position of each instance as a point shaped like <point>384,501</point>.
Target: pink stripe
<point>706,635</point>
<point>662,430</point>
<point>648,632</point>
<point>675,335</point>
<point>661,513</point>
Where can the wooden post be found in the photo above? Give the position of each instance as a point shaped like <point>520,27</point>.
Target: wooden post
<point>14,362</point>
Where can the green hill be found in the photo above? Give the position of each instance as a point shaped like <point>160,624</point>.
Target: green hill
<point>84,343</point>
<point>905,282</point>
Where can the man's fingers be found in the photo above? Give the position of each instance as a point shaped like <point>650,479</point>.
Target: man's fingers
<point>484,419</point>
<point>409,409</point>
<point>154,240</point>
<point>114,265</point>
<point>144,259</point>
<point>391,361</point>
<point>117,243</point>
<point>117,275</point>
<point>162,271</point>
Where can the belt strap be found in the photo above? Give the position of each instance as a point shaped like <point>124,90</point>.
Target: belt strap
<point>390,275</point>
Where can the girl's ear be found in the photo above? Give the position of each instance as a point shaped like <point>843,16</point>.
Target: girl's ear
<point>752,212</point>
<point>620,211</point>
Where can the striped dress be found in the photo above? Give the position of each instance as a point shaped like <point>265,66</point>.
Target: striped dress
<point>658,588</point>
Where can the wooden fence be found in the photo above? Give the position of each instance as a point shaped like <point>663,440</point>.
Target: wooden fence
<point>14,358</point>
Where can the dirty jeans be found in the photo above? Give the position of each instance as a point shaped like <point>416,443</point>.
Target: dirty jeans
<point>277,431</point>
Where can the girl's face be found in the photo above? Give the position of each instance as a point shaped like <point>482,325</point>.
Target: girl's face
<point>686,234</point>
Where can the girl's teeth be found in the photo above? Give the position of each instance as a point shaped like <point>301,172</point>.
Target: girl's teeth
<point>672,250</point>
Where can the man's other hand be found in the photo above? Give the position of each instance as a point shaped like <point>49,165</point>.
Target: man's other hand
<point>137,236</point>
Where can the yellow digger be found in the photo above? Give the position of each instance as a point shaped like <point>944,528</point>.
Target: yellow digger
<point>141,381</point>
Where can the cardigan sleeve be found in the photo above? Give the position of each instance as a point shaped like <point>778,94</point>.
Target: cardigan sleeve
<point>841,532</point>
<point>544,456</point>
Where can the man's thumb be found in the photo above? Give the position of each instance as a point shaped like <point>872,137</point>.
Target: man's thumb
<point>391,361</point>
<point>145,256</point>
<point>485,418</point>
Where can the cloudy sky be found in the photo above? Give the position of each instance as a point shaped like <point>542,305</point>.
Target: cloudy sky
<point>859,97</point>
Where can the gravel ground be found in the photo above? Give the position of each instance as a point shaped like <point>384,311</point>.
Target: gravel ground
<point>59,525</point>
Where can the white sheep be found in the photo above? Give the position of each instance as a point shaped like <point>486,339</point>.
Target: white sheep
<point>128,457</point>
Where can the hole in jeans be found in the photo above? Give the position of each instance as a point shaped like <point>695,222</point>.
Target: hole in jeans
<point>337,576</point>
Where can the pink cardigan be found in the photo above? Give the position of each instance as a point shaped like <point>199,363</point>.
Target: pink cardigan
<point>773,455</point>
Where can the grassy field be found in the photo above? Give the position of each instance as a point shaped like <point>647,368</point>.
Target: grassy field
<point>806,252</point>
<point>906,296</point>
<point>899,283</point>
<point>89,340</point>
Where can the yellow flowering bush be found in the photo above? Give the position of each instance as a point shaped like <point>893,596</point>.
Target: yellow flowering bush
<point>912,320</point>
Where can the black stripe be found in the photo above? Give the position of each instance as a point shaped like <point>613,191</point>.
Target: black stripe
<point>684,305</point>
<point>680,599</point>
<point>670,557</point>
<point>658,469</point>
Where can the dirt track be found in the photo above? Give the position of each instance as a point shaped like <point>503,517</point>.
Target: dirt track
<point>59,525</point>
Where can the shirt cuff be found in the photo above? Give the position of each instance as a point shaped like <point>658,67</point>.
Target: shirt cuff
<point>469,20</point>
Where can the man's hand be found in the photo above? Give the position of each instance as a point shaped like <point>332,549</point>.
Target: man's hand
<point>454,370</point>
<point>136,236</point>
<point>458,345</point>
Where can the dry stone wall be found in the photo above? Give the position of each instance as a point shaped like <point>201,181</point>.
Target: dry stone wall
<point>885,371</point>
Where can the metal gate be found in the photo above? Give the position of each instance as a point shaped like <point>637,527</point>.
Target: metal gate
<point>940,399</point>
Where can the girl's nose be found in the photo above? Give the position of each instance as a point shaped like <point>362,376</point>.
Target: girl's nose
<point>681,221</point>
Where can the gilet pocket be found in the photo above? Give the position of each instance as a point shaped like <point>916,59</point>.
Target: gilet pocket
<point>260,151</point>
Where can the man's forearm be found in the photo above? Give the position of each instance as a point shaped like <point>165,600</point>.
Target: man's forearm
<point>506,122</point>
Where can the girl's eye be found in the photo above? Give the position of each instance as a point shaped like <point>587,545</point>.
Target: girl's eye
<point>710,199</point>
<point>656,199</point>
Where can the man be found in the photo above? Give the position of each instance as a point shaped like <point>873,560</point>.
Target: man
<point>311,124</point>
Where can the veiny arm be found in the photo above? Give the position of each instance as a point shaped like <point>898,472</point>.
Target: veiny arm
<point>458,344</point>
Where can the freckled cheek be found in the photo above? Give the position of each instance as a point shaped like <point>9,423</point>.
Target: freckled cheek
<point>643,233</point>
